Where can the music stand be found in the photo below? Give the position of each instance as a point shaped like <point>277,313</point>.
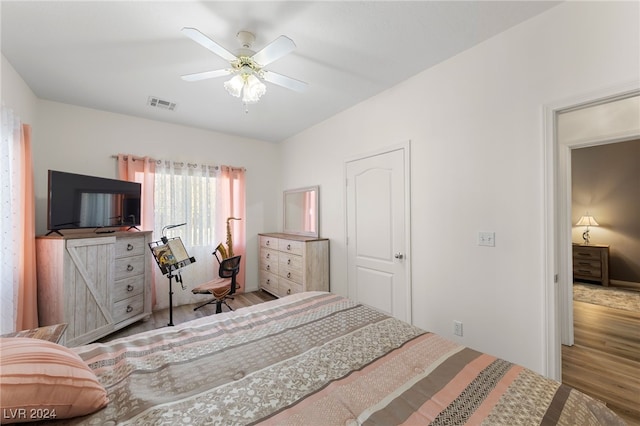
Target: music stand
<point>171,256</point>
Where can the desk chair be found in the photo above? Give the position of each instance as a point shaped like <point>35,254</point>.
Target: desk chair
<point>222,287</point>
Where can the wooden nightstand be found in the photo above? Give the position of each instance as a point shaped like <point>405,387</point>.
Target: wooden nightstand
<point>591,263</point>
<point>52,333</point>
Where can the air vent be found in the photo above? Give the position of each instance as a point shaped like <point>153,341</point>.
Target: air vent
<point>161,103</point>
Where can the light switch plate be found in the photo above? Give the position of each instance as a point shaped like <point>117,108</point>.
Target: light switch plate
<point>487,239</point>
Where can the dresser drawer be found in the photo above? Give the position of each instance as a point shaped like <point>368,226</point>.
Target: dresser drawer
<point>269,242</point>
<point>290,267</point>
<point>286,287</point>
<point>130,246</point>
<point>128,287</point>
<point>128,308</point>
<point>588,270</point>
<point>586,253</point>
<point>290,246</point>
<point>269,282</point>
<point>268,255</point>
<point>588,275</point>
<point>586,264</point>
<point>129,267</point>
<point>268,266</point>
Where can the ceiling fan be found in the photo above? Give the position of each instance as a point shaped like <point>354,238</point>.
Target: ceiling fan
<point>247,66</point>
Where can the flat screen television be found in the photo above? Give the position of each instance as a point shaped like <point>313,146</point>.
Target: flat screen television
<point>78,201</point>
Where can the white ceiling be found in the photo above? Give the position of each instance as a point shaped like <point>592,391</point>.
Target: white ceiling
<point>114,55</point>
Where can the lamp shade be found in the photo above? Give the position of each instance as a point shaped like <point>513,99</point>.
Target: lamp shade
<point>246,85</point>
<point>587,221</point>
<point>253,90</point>
<point>234,86</point>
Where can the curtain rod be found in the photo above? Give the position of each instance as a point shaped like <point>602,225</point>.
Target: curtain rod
<point>134,157</point>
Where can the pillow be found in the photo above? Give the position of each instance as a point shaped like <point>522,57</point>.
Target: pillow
<point>41,380</point>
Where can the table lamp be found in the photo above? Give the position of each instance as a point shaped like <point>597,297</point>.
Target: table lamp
<point>586,221</point>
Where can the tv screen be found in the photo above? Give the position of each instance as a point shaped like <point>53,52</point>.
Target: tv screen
<point>79,201</point>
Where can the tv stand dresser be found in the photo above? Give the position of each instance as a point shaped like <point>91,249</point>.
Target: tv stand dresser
<point>96,283</point>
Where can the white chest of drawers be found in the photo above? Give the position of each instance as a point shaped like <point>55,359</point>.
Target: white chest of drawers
<point>95,283</point>
<point>292,264</point>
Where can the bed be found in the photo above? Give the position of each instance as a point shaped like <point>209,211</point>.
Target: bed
<point>318,358</point>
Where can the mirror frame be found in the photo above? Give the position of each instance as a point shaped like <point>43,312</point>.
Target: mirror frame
<point>286,230</point>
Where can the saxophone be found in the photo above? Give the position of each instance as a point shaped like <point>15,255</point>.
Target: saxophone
<point>228,252</point>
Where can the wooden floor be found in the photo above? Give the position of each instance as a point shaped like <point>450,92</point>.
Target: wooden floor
<point>605,359</point>
<point>184,313</point>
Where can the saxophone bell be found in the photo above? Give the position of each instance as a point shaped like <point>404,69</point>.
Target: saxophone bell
<point>223,251</point>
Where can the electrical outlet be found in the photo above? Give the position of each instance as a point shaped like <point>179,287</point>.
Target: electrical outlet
<point>487,239</point>
<point>457,328</point>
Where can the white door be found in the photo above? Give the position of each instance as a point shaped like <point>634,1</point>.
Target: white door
<point>378,232</point>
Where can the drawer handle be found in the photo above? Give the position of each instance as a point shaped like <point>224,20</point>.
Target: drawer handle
<point>129,287</point>
<point>129,308</point>
<point>289,291</point>
<point>584,263</point>
<point>288,261</point>
<point>288,246</point>
<point>288,274</point>
<point>268,280</point>
<point>129,247</point>
<point>583,271</point>
<point>129,268</point>
<point>268,243</point>
<point>268,267</point>
<point>268,255</point>
<point>584,254</point>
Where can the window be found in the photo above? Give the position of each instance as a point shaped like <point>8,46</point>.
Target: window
<point>186,194</point>
<point>200,196</point>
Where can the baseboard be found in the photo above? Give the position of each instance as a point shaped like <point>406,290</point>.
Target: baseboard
<point>624,284</point>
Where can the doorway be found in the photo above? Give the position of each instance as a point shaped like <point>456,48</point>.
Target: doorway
<point>378,231</point>
<point>559,143</point>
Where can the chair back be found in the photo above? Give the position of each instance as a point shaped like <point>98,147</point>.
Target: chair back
<point>229,268</point>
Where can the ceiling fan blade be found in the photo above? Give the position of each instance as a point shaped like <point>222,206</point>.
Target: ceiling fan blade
<point>274,50</point>
<point>207,43</point>
<point>284,81</point>
<point>204,75</point>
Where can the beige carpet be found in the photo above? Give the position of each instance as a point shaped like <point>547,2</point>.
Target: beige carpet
<point>616,298</point>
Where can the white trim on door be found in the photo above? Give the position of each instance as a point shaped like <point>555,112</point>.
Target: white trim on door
<point>558,313</point>
<point>405,147</point>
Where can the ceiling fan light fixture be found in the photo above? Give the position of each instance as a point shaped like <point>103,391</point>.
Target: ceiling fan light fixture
<point>253,90</point>
<point>246,85</point>
<point>247,65</point>
<point>234,85</point>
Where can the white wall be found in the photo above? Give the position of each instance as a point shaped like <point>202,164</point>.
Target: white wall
<point>16,94</point>
<point>82,140</point>
<point>476,128</point>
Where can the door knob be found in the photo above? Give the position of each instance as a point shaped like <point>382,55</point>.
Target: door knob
<point>398,255</point>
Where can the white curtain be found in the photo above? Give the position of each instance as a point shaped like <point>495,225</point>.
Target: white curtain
<point>186,193</point>
<point>10,208</point>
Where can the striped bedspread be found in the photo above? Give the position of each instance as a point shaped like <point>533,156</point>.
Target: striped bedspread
<point>320,359</point>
